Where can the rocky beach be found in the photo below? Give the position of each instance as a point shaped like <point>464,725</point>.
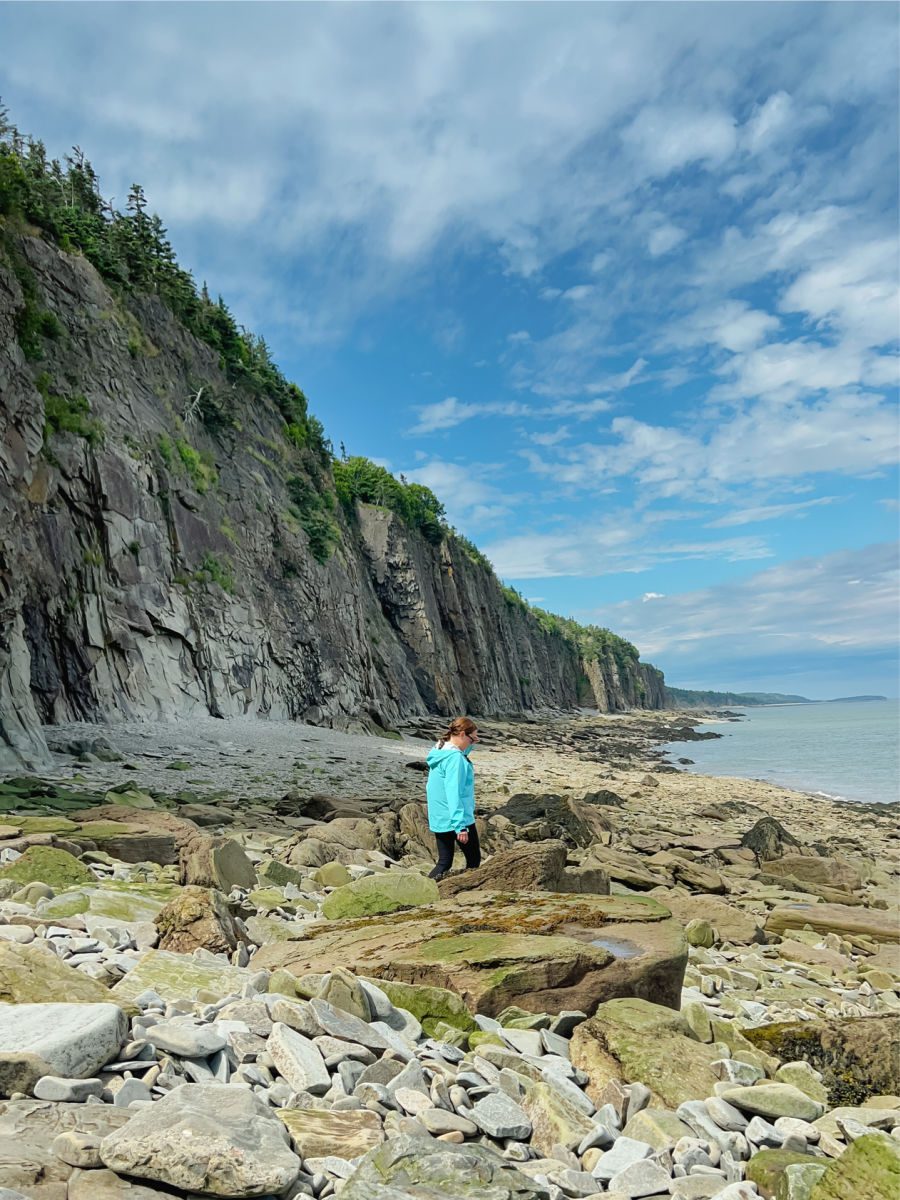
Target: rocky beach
<point>223,972</point>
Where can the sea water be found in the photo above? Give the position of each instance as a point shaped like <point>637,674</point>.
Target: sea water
<point>847,750</point>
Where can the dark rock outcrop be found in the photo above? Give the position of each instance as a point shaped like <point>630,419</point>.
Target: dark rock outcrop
<point>151,564</point>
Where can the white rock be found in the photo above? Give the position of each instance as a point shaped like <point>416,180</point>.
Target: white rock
<point>73,1040</point>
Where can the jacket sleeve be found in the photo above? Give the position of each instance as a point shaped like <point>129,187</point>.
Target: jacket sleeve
<point>455,773</point>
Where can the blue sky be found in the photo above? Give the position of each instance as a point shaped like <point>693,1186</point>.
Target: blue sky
<point>619,281</point>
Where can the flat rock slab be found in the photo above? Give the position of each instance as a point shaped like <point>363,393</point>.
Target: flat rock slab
<point>836,918</point>
<point>31,974</point>
<point>107,1185</point>
<point>413,1166</point>
<point>206,1138</point>
<point>317,1132</point>
<point>71,1040</point>
<point>175,976</point>
<point>541,951</point>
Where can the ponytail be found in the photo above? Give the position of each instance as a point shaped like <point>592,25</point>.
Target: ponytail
<point>457,726</point>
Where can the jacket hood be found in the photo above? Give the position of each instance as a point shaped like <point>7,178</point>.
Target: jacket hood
<point>436,755</point>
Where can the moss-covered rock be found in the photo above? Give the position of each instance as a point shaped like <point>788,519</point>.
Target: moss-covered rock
<point>632,1040</point>
<point>869,1167</point>
<point>376,894</point>
<point>428,1004</point>
<point>766,1168</point>
<point>49,865</point>
<point>34,975</point>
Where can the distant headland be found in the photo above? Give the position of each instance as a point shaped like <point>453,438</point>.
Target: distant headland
<point>687,698</point>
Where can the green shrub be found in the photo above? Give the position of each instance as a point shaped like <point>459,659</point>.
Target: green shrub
<point>214,570</point>
<point>312,509</point>
<point>199,466</point>
<point>166,449</point>
<point>68,414</point>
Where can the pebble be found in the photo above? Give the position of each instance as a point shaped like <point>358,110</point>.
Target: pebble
<point>68,1091</point>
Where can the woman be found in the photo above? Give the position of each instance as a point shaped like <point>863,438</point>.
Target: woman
<point>451,796</point>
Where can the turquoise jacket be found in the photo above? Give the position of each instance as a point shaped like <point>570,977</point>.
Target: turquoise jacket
<point>450,790</point>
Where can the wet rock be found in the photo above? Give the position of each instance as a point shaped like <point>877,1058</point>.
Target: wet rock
<point>769,839</point>
<point>856,1055</point>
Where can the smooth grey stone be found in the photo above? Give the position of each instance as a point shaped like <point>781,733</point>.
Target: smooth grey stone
<point>599,1136</point>
<point>381,1072</point>
<point>642,1178</point>
<point>624,1152</point>
<point>412,1076</point>
<point>554,1044</point>
<point>500,1117</point>
<point>71,1041</point>
<point>68,1091</point>
<point>761,1133</point>
<point>564,1087</point>
<point>639,1096</point>
<point>344,1025</point>
<point>525,1041</point>
<point>298,1060</point>
<point>438,1121</point>
<point>725,1115</point>
<point>131,1090</point>
<point>487,1024</point>
<point>186,1039</point>
<point>567,1021</point>
<point>396,1041</point>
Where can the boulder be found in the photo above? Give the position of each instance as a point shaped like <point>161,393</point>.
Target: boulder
<point>538,950</point>
<point>198,918</point>
<point>699,878</point>
<point>408,1166</point>
<point>555,1120</point>
<point>812,868</point>
<point>206,1138</point>
<point>634,1041</point>
<point>216,862</point>
<point>772,1100</point>
<point>560,817</point>
<point>385,893</point>
<point>69,1040</point>
<point>869,1167</point>
<point>31,974</point>
<point>48,865</point>
<point>857,1056</point>
<point>767,1167</point>
<point>844,919</point>
<point>534,867</point>
<point>427,1004</point>
<point>107,1185</point>
<point>769,839</point>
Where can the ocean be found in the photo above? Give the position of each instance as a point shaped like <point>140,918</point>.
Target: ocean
<point>849,751</point>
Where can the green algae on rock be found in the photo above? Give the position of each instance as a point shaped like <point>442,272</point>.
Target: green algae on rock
<point>33,975</point>
<point>375,894</point>
<point>869,1167</point>
<point>47,864</point>
<point>633,1041</point>
<point>766,1168</point>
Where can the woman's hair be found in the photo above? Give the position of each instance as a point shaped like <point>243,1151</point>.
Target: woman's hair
<point>458,725</point>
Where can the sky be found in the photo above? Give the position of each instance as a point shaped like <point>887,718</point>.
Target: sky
<point>618,281</point>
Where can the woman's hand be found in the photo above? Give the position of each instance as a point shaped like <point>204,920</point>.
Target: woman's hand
<point>462,837</point>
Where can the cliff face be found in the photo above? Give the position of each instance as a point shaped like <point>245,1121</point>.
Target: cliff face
<point>150,567</point>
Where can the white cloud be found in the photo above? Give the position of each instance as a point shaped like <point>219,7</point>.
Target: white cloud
<point>653,596</point>
<point>769,121</point>
<point>468,490</point>
<point>520,336</point>
<point>665,238</point>
<point>668,138</point>
<point>846,601</point>
<point>769,512</point>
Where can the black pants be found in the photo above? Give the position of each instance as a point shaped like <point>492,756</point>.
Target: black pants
<point>446,845</point>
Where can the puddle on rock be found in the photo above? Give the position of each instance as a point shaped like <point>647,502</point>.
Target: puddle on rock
<point>618,947</point>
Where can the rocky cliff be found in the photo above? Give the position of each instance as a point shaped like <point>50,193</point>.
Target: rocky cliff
<point>154,563</point>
